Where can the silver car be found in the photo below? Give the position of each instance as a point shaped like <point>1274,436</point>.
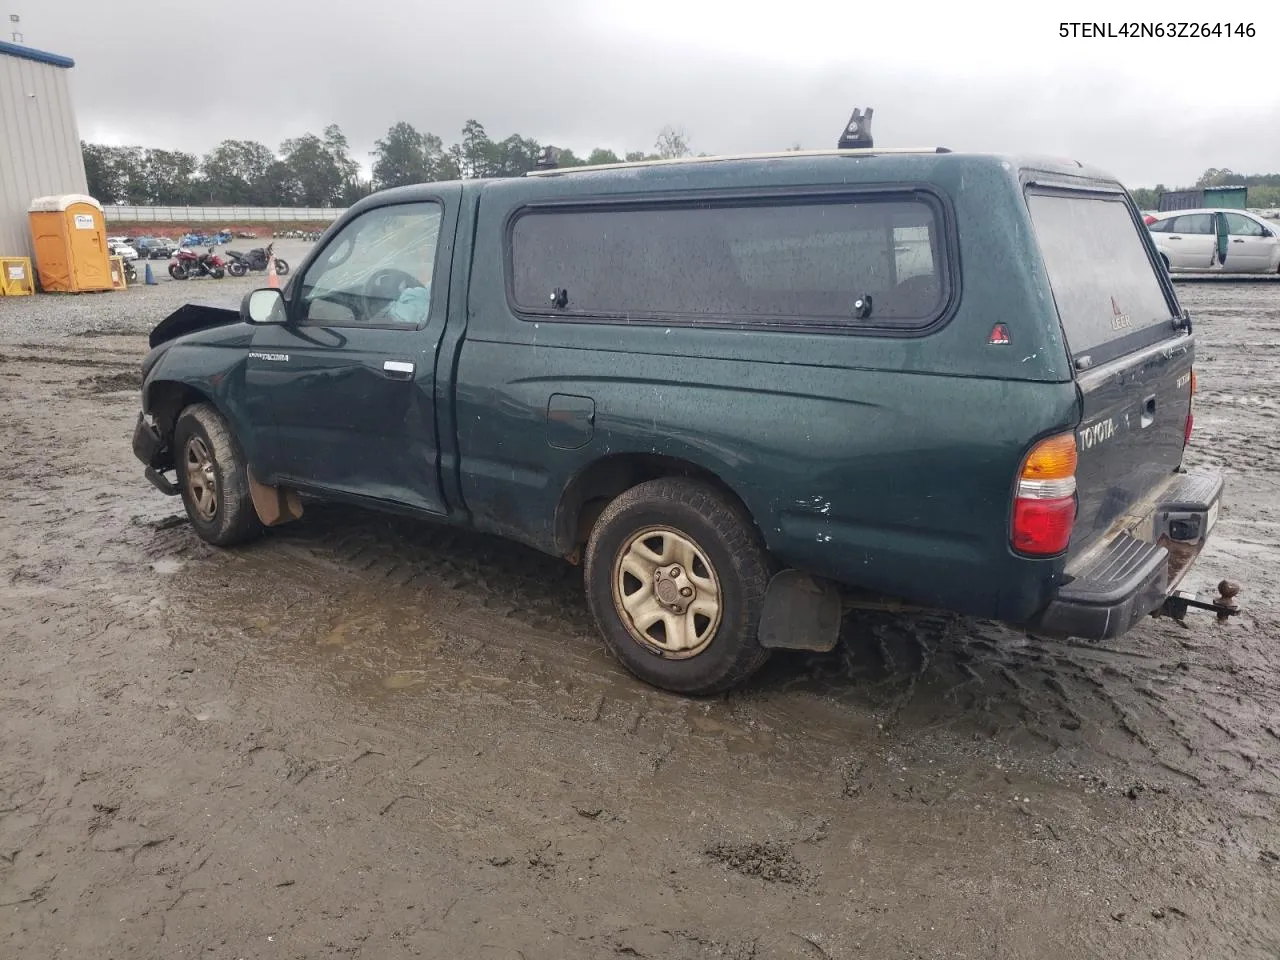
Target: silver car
<point>1188,241</point>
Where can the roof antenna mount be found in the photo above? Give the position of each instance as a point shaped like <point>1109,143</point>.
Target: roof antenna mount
<point>857,132</point>
<point>549,160</point>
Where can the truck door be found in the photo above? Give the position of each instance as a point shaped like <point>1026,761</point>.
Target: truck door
<point>349,379</point>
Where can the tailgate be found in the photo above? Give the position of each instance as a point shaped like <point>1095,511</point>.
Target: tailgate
<point>1131,351</point>
<point>1131,436</point>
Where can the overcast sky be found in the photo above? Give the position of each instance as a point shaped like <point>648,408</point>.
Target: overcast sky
<point>737,75</point>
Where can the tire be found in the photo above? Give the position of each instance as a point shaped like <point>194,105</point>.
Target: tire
<point>212,478</point>
<point>1166,262</point>
<point>178,271</point>
<point>720,650</point>
<point>237,269</point>
<point>282,267</point>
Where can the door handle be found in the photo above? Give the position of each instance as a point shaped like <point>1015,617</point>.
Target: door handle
<point>1148,413</point>
<point>1175,238</point>
<point>1237,241</point>
<point>397,369</point>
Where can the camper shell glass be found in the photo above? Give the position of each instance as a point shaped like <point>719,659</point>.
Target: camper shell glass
<point>872,260</point>
<point>1106,283</point>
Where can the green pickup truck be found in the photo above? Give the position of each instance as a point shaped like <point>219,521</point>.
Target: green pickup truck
<point>745,393</point>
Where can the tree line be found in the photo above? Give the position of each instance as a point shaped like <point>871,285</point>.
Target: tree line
<point>1264,188</point>
<point>318,171</point>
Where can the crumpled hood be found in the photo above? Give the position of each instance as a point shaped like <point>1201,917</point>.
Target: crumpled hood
<point>195,316</point>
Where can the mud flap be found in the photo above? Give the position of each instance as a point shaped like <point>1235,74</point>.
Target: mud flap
<point>801,612</point>
<point>274,505</point>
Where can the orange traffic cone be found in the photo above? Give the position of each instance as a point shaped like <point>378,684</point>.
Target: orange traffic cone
<point>272,279</point>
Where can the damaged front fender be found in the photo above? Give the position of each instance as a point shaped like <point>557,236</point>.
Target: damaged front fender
<point>191,317</point>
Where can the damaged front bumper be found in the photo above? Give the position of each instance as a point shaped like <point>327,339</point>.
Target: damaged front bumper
<point>150,447</point>
<point>1136,571</point>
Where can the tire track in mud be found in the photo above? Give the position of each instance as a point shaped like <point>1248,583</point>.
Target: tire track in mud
<point>1158,704</point>
<point>406,598</point>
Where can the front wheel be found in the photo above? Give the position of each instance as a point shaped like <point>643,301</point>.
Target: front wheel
<point>237,269</point>
<point>213,478</point>
<point>282,267</point>
<point>675,576</point>
<point>178,271</point>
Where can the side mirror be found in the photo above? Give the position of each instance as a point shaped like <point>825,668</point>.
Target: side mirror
<point>263,306</point>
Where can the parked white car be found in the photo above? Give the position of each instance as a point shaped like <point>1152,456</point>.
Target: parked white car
<point>121,249</point>
<point>1187,241</point>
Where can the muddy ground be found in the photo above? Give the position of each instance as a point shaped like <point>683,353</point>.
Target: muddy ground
<point>367,738</point>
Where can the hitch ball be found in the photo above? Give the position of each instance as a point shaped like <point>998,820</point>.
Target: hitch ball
<point>1226,599</point>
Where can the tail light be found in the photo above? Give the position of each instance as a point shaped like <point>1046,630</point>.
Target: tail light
<point>1191,420</point>
<point>1044,507</point>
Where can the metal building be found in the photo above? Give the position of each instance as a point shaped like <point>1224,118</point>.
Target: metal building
<point>39,141</point>
<point>1218,198</point>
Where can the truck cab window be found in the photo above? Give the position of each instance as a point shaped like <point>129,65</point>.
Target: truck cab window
<point>377,271</point>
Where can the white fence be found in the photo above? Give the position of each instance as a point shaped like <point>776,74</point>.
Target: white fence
<point>118,213</point>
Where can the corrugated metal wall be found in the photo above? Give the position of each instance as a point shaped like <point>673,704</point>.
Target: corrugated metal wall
<point>1215,198</point>
<point>1181,200</point>
<point>1227,198</point>
<point>39,145</point>
<point>117,213</point>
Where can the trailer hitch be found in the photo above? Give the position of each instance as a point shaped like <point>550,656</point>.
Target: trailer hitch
<point>1224,604</point>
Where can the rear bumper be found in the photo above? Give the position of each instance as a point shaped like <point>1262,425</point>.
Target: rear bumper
<point>1130,575</point>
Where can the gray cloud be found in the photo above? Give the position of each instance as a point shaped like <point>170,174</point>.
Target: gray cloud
<point>555,72</point>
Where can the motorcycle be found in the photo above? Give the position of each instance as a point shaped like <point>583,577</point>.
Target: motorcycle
<point>256,259</point>
<point>130,272</point>
<point>188,264</point>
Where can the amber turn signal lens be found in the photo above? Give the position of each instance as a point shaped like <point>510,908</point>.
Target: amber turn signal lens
<point>1053,458</point>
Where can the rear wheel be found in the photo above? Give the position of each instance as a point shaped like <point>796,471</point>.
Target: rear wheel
<point>213,478</point>
<point>675,576</point>
<point>237,269</point>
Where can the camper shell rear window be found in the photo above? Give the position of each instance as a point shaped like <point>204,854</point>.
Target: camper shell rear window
<point>1105,283</point>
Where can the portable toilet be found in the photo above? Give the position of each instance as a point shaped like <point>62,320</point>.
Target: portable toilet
<point>69,234</point>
